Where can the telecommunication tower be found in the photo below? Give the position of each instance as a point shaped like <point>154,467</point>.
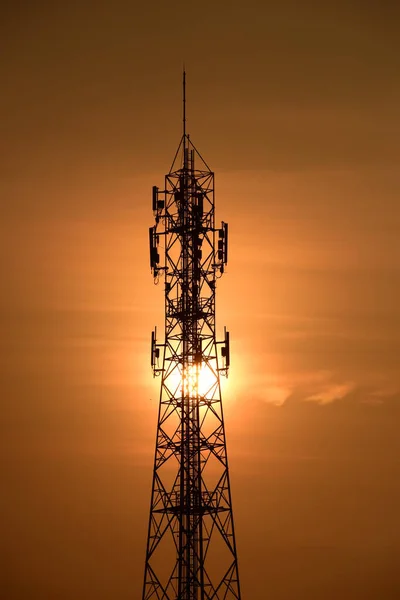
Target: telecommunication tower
<point>191,548</point>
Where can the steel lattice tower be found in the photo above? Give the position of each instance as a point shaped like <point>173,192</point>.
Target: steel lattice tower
<point>191,548</point>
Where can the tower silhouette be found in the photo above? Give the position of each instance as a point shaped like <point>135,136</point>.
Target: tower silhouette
<point>191,548</point>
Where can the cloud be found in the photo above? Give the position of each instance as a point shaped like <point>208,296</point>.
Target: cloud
<point>330,393</point>
<point>277,394</point>
<point>320,386</point>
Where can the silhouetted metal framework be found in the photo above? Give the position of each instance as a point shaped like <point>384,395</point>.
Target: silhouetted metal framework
<point>191,549</point>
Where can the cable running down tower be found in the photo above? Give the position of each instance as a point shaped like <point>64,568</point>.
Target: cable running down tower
<point>191,548</point>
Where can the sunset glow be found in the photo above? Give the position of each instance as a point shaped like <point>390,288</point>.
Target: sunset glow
<point>196,381</point>
<point>296,106</point>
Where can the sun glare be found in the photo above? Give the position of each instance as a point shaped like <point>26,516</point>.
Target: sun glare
<point>195,380</point>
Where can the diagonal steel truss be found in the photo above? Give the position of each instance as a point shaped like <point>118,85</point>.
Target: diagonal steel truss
<point>191,549</point>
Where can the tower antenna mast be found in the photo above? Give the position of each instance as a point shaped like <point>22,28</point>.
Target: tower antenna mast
<point>191,547</point>
<point>184,101</point>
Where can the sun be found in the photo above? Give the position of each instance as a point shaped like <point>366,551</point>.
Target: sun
<point>196,380</point>
<point>199,380</point>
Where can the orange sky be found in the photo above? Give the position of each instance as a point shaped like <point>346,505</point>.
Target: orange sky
<point>297,111</point>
